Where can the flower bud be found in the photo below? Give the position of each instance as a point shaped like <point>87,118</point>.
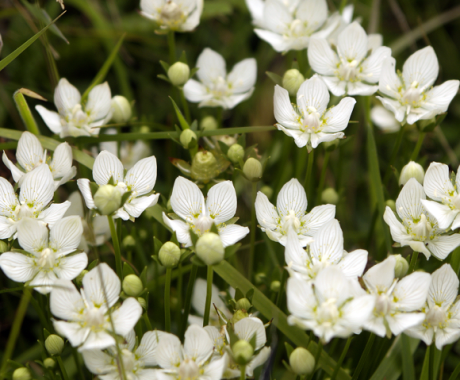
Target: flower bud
<point>302,361</point>
<point>79,279</point>
<point>260,277</point>
<point>267,190</point>
<point>142,302</point>
<point>186,137</point>
<point>169,254</point>
<point>243,304</point>
<point>252,169</point>
<point>21,374</point>
<point>144,129</point>
<point>178,73</point>
<point>209,248</point>
<point>401,266</point>
<point>411,170</point>
<point>242,352</point>
<point>49,363</point>
<point>209,123</point>
<point>239,315</point>
<point>54,344</point>
<point>292,79</point>
<point>235,153</point>
<point>330,196</point>
<point>128,242</point>
<point>204,166</point>
<point>275,286</point>
<point>226,139</point>
<point>132,285</point>
<point>391,204</point>
<point>3,246</point>
<point>121,109</point>
<point>107,199</point>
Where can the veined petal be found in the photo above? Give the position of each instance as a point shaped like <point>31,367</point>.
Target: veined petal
<point>15,171</point>
<point>43,282</point>
<point>126,316</point>
<point>65,301</point>
<point>313,93</point>
<point>32,235</point>
<point>72,331</point>
<point>180,228</point>
<point>294,253</point>
<point>29,151</point>
<point>83,185</point>
<point>147,350</point>
<point>335,85</point>
<point>443,213</point>
<point>66,234</point>
<point>314,12</point>
<point>99,101</point>
<point>376,325</point>
<point>37,190</point>
<point>317,218</point>
<point>221,202</point>
<point>300,298</point>
<point>398,231</point>
<point>352,43</point>
<point>266,213</point>
<point>400,322</point>
<point>300,138</point>
<point>98,362</point>
<point>276,16</point>
<point>408,203</point>
<point>243,75</point>
<point>258,360</point>
<point>66,97</point>
<point>18,267</point>
<point>292,197</point>
<point>233,100</point>
<point>395,107</point>
<point>338,117</point>
<point>439,98</point>
<point>353,263</point>
<point>372,66</point>
<point>62,161</point>
<point>53,213</point>
<point>7,227</point>
<point>169,351</point>
<point>421,67</point>
<point>187,201</point>
<point>105,166</point>
<point>232,233</point>
<point>443,245</point>
<point>419,246</point>
<point>331,283</point>
<point>197,344</point>
<point>437,182</point>
<point>389,82</point>
<point>384,119</point>
<point>321,57</point>
<point>380,277</point>
<point>328,243</point>
<point>421,332</point>
<point>142,176</point>
<point>195,92</point>
<point>98,340</point>
<point>360,88</point>
<point>318,138</point>
<point>247,328</point>
<point>275,40</point>
<point>411,291</point>
<point>71,266</point>
<point>284,113</point>
<point>446,336</point>
<point>211,65</point>
<point>215,369</point>
<point>444,287</point>
<point>52,119</point>
<point>137,206</point>
<point>357,312</point>
<point>95,279</point>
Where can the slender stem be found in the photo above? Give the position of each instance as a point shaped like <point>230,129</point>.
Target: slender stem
<point>185,105</point>
<point>317,357</point>
<point>407,359</point>
<point>168,300</point>
<point>77,363</point>
<point>306,184</point>
<point>364,356</point>
<point>62,367</point>
<point>243,372</point>
<point>207,308</point>
<point>300,164</point>
<point>188,299</point>
<point>413,262</point>
<point>455,373</point>
<point>172,47</point>
<point>253,230</point>
<point>179,294</point>
<point>322,179</point>
<point>147,321</point>
<point>416,151</point>
<point>426,365</point>
<point>282,286</point>
<point>116,247</point>
<point>342,357</point>
<point>394,154</point>
<point>432,365</point>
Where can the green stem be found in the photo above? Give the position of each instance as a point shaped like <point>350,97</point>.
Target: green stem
<point>456,373</point>
<point>396,147</point>
<point>306,184</point>
<point>282,286</point>
<point>179,295</point>
<point>300,165</point>
<point>407,359</point>
<point>26,114</point>
<point>425,375</point>
<point>302,62</point>
<point>207,309</point>
<point>168,300</point>
<point>253,230</point>
<point>342,357</point>
<point>418,146</point>
<point>413,262</point>
<point>243,372</point>
<point>364,356</point>
<point>188,299</point>
<point>77,363</point>
<point>322,179</point>
<point>432,364</point>
<point>317,357</point>
<point>172,47</point>
<point>116,247</point>
<point>62,367</point>
<point>147,321</point>
<point>185,106</point>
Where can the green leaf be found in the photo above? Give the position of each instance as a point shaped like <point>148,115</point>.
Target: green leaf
<point>164,77</point>
<point>231,250</point>
<point>26,114</point>
<point>289,349</point>
<point>238,294</point>
<point>125,197</point>
<point>214,228</point>
<point>93,264</point>
<point>165,66</point>
<point>274,77</point>
<point>143,276</point>
<point>157,244</point>
<point>127,270</point>
<point>180,116</point>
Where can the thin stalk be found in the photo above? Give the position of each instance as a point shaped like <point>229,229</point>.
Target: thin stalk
<point>432,365</point>
<point>418,146</point>
<point>26,114</point>
<point>147,321</point>
<point>342,357</point>
<point>243,372</point>
<point>62,367</point>
<point>77,363</point>
<point>322,179</point>
<point>364,356</point>
<point>300,164</point>
<point>394,154</point>
<point>306,184</point>
<point>282,286</point>
<point>407,359</point>
<point>188,299</point>
<point>172,47</point>
<point>317,357</point>
<point>413,262</point>
<point>185,106</point>
<point>207,308</point>
<point>116,247</point>
<point>456,373</point>
<point>253,230</point>
<point>179,294</point>
<point>168,300</point>
<point>302,61</point>
<point>426,365</point>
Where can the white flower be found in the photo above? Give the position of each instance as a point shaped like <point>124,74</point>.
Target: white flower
<point>352,70</point>
<point>188,203</point>
<point>216,88</point>
<point>410,95</point>
<point>289,25</point>
<point>175,15</point>
<point>309,122</point>
<point>36,193</point>
<point>396,303</point>
<point>139,180</point>
<point>330,306</point>
<point>326,249</point>
<point>47,259</point>
<point>30,155</point>
<point>74,119</point>
<point>442,320</point>
<point>193,360</point>
<point>87,322</point>
<point>291,212</point>
<point>419,229</point>
<point>384,119</point>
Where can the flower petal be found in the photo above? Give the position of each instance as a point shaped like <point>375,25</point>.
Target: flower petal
<point>147,350</point>
<point>98,362</point>
<point>32,235</point>
<point>65,301</point>
<point>83,185</point>
<point>275,40</point>
<point>438,99</point>
<point>284,113</point>
<point>66,97</point>
<point>389,82</point>
<point>314,12</point>
<point>421,67</point>
<point>408,203</point>
<point>443,213</point>
<point>29,151</point>
<point>53,213</point>
<point>197,344</point>
<point>142,176</point>
<point>72,331</point>
<point>211,65</point>
<point>257,361</point>
<point>321,57</point>
<point>169,351</point>
<point>232,233</point>
<point>352,43</point>
<point>61,163</point>
<point>266,213</point>
<point>243,75</point>
<point>71,266</point>
<point>18,267</point>
<point>411,291</point>
<point>187,201</point>
<point>443,245</point>
<point>98,340</point>
<point>66,234</point>
<point>338,117</point>
<point>195,92</point>
<point>437,182</point>
<point>400,322</point>
<point>221,202</point>
<point>313,93</point>
<point>180,228</point>
<point>99,102</point>
<point>15,171</point>
<point>444,287</point>
<point>105,166</point>
<point>137,206</point>
<point>353,263</point>
<point>247,328</point>
<point>292,197</point>
<point>316,219</point>
<point>398,231</point>
<point>381,276</point>
<point>327,246</point>
<point>372,66</point>
<point>37,190</point>
<point>52,119</point>
<point>126,316</point>
<point>300,298</point>
<point>95,279</point>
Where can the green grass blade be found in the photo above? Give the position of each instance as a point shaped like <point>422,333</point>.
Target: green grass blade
<point>26,114</point>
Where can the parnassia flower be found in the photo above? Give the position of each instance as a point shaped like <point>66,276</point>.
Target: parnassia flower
<point>87,322</point>
<point>310,122</point>
<point>410,95</point>
<point>384,119</point>
<point>74,118</point>
<point>188,204</point>
<point>217,89</point>
<point>139,180</point>
<point>355,68</point>
<point>47,258</point>
<point>418,228</point>
<point>291,213</point>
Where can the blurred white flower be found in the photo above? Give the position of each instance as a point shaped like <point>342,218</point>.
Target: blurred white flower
<point>310,122</point>
<point>46,259</point>
<point>74,119</point>
<point>384,119</point>
<point>188,203</point>
<point>418,228</point>
<point>410,95</point>
<point>355,68</point>
<point>411,170</point>
<point>87,322</point>
<point>217,89</point>
<point>30,155</point>
<point>291,213</point>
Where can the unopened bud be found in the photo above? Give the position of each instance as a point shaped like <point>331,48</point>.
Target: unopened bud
<point>275,286</point>
<point>391,204</point>
<point>132,285</point>
<point>401,266</point>
<point>243,304</point>
<point>169,254</point>
<point>267,190</point>
<point>129,242</point>
<point>252,169</point>
<point>209,123</point>
<point>21,374</point>
<point>178,73</point>
<point>209,248</point>
<point>330,196</point>
<point>3,246</point>
<point>239,315</point>
<point>142,302</point>
<point>186,137</point>
<point>260,277</point>
<point>204,166</point>
<point>302,361</point>
<point>121,109</point>
<point>144,129</point>
<point>107,199</point>
<point>411,170</point>
<point>235,153</point>
<point>79,279</point>
<point>292,79</point>
<point>54,344</point>
<point>242,352</point>
<point>49,363</point>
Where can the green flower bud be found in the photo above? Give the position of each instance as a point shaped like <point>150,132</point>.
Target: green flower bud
<point>121,109</point>
<point>49,363</point>
<point>186,137</point>
<point>142,302</point>
<point>243,304</point>
<point>292,79</point>
<point>411,170</point>
<point>3,246</point>
<point>107,199</point>
<point>242,352</point>
<point>144,129</point>
<point>21,374</point>
<point>235,153</point>
<point>178,73</point>
<point>302,361</point>
<point>267,190</point>
<point>252,169</point>
<point>169,254</point>
<point>401,266</point>
<point>260,277</point>
<point>330,196</point>
<point>209,123</point>
<point>391,204</point>
<point>275,286</point>
<point>79,279</point>
<point>129,242</point>
<point>204,166</point>
<point>132,285</point>
<point>209,248</point>
<point>239,315</point>
<point>54,344</point>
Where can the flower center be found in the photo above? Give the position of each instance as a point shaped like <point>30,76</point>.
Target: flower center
<point>349,70</point>
<point>412,95</point>
<point>47,259</point>
<point>291,221</point>
<point>95,318</point>
<point>171,13</point>
<point>382,304</point>
<point>311,120</point>
<point>24,211</point>
<point>421,229</point>
<point>203,224</point>
<point>188,370</point>
<point>77,117</point>
<point>219,88</point>
<point>298,28</point>
<point>328,311</point>
<point>436,316</point>
<point>129,360</point>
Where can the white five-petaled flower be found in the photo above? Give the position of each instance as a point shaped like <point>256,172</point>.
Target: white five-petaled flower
<point>291,213</point>
<point>36,193</point>
<point>289,25</point>
<point>47,257</point>
<point>355,68</point>
<point>396,303</point>
<point>326,249</point>
<point>384,119</point>
<point>193,360</point>
<point>216,88</point>
<point>442,320</point>
<point>74,118</point>
<point>330,306</point>
<point>410,95</point>
<point>30,155</point>
<point>87,322</point>
<point>310,122</point>
<point>418,228</point>
<point>139,180</point>
<point>175,15</point>
<point>188,203</point>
